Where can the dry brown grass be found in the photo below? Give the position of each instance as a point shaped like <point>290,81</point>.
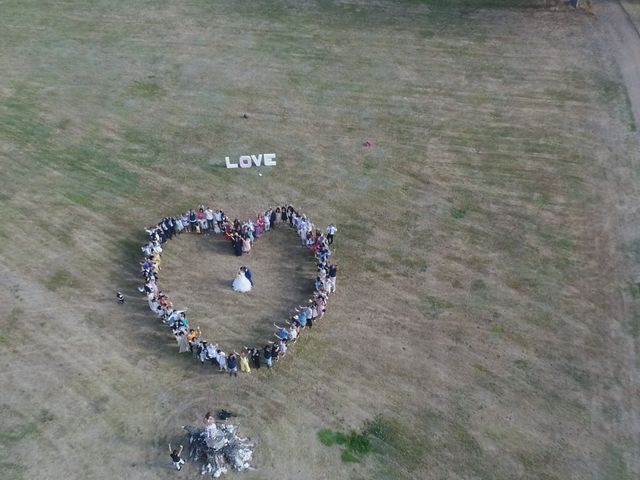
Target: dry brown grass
<point>484,311</point>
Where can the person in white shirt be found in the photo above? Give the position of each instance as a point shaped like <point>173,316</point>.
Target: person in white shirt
<point>218,217</point>
<point>331,231</point>
<point>147,249</point>
<point>212,353</point>
<point>208,213</point>
<point>293,332</point>
<point>267,220</point>
<point>209,424</point>
<point>222,360</point>
<point>153,304</point>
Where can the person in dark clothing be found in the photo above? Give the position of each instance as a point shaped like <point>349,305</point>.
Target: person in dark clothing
<point>275,351</point>
<point>193,219</point>
<point>237,245</point>
<point>267,356</point>
<point>232,365</point>
<point>175,457</point>
<point>247,273</point>
<point>290,215</point>
<point>255,357</point>
<point>333,273</point>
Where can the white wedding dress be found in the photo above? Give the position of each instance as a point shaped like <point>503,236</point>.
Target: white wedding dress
<point>241,283</point>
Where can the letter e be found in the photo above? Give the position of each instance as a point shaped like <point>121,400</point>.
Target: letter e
<point>269,159</point>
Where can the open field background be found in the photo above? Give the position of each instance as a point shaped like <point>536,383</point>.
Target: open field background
<point>633,9</point>
<point>488,246</point>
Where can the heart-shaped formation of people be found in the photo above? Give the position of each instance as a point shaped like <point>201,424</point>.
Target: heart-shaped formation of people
<point>242,236</point>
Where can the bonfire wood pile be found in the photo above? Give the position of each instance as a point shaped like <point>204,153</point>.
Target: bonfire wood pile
<point>219,449</point>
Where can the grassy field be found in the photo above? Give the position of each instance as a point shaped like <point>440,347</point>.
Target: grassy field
<point>633,9</point>
<point>484,325</point>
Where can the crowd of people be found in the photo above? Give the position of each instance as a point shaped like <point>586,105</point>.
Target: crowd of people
<point>241,235</point>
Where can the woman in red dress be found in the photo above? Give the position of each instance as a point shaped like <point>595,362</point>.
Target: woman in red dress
<point>259,226</point>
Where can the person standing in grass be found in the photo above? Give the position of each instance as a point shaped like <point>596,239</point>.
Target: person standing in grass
<point>255,357</point>
<point>209,424</point>
<point>192,337</point>
<point>209,216</point>
<point>275,352</point>
<point>331,231</point>
<point>267,220</point>
<point>183,344</point>
<point>247,273</point>
<point>232,364</point>
<point>222,361</point>
<point>237,244</point>
<point>282,347</point>
<point>244,362</point>
<point>333,273</point>
<point>321,303</point>
<point>304,314</point>
<point>175,456</point>
<point>193,221</point>
<point>282,332</point>
<point>259,226</point>
<point>268,358</point>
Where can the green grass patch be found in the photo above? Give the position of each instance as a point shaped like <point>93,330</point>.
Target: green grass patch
<point>522,364</point>
<point>383,436</point>
<point>60,279</point>
<point>544,320</point>
<point>612,413</point>
<point>479,294</point>
<point>497,329</point>
<point>146,89</point>
<point>13,471</point>
<point>632,324</point>
<point>371,265</point>
<point>355,445</point>
<point>328,437</point>
<point>613,465</point>
<point>634,290</point>
<point>634,249</point>
<point>615,92</point>
<point>579,375</point>
<point>457,213</point>
<point>432,306</point>
<point>20,428</point>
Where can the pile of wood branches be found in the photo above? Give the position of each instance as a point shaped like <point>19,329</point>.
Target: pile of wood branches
<point>218,449</point>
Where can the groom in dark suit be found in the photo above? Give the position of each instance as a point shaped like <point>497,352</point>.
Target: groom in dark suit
<point>247,273</point>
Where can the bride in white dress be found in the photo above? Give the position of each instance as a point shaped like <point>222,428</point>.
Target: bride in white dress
<point>241,283</point>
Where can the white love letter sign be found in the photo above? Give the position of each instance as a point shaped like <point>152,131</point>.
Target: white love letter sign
<point>269,159</point>
<point>247,161</point>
